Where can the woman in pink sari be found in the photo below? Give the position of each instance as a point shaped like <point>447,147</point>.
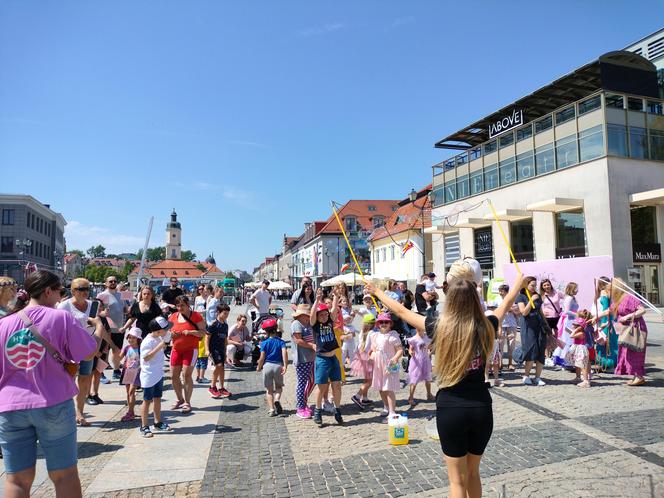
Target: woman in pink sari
<point>625,309</point>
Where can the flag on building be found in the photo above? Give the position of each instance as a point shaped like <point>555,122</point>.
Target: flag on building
<point>345,267</point>
<point>407,246</point>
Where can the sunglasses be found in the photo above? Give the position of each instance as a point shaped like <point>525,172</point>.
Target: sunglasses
<point>82,289</point>
<point>112,281</point>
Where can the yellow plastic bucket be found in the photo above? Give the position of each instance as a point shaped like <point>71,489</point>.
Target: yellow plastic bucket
<point>398,431</point>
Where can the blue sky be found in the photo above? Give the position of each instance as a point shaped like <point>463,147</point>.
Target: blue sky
<point>249,117</point>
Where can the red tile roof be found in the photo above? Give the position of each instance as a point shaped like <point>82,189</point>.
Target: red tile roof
<point>407,217</point>
<point>180,269</point>
<point>360,210</point>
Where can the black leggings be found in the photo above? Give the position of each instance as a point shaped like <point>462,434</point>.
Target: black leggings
<point>464,430</point>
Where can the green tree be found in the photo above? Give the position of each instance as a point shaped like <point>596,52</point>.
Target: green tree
<point>77,251</point>
<point>155,253</point>
<point>96,273</point>
<point>126,270</point>
<point>188,256</point>
<point>201,267</point>
<point>97,251</point>
<point>112,256</point>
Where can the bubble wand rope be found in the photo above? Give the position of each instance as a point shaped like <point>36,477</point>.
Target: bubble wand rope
<point>509,248</point>
<point>352,253</point>
<point>628,290</point>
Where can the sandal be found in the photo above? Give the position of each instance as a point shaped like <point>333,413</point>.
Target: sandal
<point>186,408</point>
<point>640,382</point>
<point>81,422</point>
<point>177,404</point>
<point>431,398</point>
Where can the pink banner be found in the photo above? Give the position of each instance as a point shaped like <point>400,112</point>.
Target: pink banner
<point>583,271</point>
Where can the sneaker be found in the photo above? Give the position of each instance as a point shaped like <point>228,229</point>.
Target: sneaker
<point>224,393</point>
<point>357,401</point>
<point>302,413</point>
<point>384,413</point>
<point>367,402</point>
<point>527,381</point>
<point>309,412</point>
<point>318,416</point>
<point>116,374</point>
<point>104,380</point>
<point>90,400</point>
<point>163,427</point>
<point>230,366</point>
<point>271,413</point>
<point>203,380</point>
<point>145,432</point>
<point>539,382</point>
<point>98,399</point>
<point>214,393</point>
<point>337,417</point>
<point>277,406</point>
<point>585,383</point>
<point>549,362</point>
<point>128,417</point>
<point>328,407</point>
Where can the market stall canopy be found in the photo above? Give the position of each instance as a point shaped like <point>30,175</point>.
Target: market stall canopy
<point>278,285</point>
<point>252,285</point>
<point>346,278</point>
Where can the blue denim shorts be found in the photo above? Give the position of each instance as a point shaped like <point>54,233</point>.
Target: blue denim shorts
<point>327,369</point>
<point>85,367</point>
<point>54,427</point>
<point>149,393</point>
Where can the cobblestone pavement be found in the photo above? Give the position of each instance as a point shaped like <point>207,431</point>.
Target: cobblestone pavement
<point>556,440</point>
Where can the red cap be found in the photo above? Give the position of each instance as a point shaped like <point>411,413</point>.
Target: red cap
<point>269,323</point>
<point>322,307</point>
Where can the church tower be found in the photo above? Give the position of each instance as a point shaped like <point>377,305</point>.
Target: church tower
<point>173,238</point>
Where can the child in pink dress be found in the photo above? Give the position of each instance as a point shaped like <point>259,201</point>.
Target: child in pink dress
<point>362,366</point>
<point>578,355</point>
<point>419,368</point>
<point>386,352</point>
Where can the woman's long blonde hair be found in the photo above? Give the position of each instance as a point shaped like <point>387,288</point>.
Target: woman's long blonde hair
<point>617,293</point>
<point>463,331</point>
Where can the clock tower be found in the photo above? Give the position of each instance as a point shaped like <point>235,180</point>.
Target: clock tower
<point>173,237</point>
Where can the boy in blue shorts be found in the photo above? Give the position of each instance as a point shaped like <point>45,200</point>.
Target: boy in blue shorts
<point>152,374</point>
<point>273,361</point>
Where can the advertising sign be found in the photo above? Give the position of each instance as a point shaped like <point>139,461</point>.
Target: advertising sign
<point>506,123</point>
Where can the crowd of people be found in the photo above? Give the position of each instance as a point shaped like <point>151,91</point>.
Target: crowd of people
<point>447,334</point>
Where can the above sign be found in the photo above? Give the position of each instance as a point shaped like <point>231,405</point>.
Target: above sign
<point>484,247</point>
<point>506,123</point>
<point>647,253</point>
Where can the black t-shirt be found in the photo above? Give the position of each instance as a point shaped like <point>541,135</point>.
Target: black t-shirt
<point>326,341</point>
<point>143,319</point>
<point>420,302</point>
<point>170,295</point>
<point>471,390</point>
<point>218,333</point>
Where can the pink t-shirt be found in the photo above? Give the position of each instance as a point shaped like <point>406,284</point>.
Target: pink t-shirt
<point>29,376</point>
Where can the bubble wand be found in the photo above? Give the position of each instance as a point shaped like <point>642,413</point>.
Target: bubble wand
<point>352,253</point>
<point>509,248</point>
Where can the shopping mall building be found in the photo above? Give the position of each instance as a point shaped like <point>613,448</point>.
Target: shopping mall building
<point>574,170</point>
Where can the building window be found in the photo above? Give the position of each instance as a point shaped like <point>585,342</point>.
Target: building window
<point>476,183</point>
<point>491,179</point>
<point>376,256</point>
<point>452,249</point>
<point>378,221</point>
<point>634,104</point>
<point>655,107</point>
<point>544,159</point>
<point>490,147</point>
<point>351,223</point>
<point>638,142</point>
<point>507,171</point>
<point>591,143</point>
<point>523,133</point>
<point>32,222</point>
<point>617,140</point>
<point>525,165</point>
<point>543,124</point>
<point>567,153</point>
<point>475,153</point>
<point>507,139</point>
<point>657,145</point>
<point>461,159</point>
<point>521,235</point>
<point>28,220</point>
<point>589,105</point>
<point>7,244</point>
<point>615,101</point>
<point>570,234</point>
<point>371,208</point>
<point>384,251</point>
<point>644,224</point>
<point>8,216</point>
<point>438,196</point>
<point>565,115</point>
<point>450,192</point>
<point>392,252</point>
<point>462,187</point>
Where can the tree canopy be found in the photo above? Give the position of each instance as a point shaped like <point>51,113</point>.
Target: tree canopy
<point>96,251</point>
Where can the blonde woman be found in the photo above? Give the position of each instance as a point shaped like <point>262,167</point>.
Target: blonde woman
<point>463,341</point>
<point>8,287</point>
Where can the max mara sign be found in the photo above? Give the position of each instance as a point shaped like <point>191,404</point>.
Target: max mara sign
<point>512,120</point>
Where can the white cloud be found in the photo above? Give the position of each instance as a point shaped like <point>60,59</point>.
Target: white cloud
<point>81,236</point>
<point>322,30</point>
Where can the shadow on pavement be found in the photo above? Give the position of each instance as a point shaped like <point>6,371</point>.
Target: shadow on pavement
<point>90,449</point>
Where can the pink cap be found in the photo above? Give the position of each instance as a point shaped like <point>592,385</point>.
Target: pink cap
<point>384,317</point>
<point>322,307</point>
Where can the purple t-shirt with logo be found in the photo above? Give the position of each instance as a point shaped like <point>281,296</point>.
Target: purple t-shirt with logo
<point>29,376</point>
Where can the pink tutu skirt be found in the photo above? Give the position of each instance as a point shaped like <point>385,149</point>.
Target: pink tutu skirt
<point>578,356</point>
<point>361,366</point>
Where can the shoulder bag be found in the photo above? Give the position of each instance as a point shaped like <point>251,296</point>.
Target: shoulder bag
<point>70,366</point>
<point>632,337</point>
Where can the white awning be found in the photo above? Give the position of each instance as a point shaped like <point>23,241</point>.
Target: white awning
<point>510,215</point>
<point>473,223</point>
<point>649,198</point>
<point>556,205</point>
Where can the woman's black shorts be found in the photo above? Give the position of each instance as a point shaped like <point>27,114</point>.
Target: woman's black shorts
<point>464,430</point>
